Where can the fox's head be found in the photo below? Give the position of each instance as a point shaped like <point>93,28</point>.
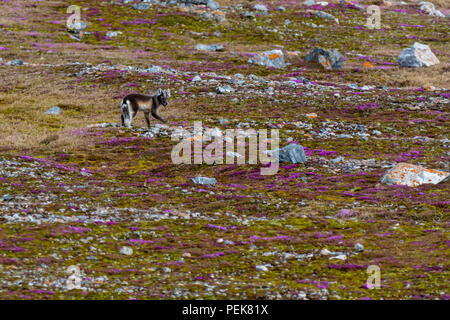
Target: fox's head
<point>163,96</point>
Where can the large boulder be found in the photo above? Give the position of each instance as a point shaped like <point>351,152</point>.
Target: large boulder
<point>429,8</point>
<point>419,55</point>
<point>412,175</point>
<point>329,59</point>
<point>213,5</point>
<point>292,153</point>
<point>269,59</point>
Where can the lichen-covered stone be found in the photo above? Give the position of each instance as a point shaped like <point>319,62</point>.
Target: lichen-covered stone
<point>269,59</point>
<point>329,59</point>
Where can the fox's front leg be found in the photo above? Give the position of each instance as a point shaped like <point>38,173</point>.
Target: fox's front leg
<point>156,116</point>
<point>147,118</point>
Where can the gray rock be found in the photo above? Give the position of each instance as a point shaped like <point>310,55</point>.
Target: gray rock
<point>260,7</point>
<point>142,6</point>
<point>378,133</point>
<point>269,59</point>
<point>77,26</point>
<point>209,47</point>
<point>329,59</point>
<point>16,62</point>
<point>213,5</point>
<point>154,69</point>
<point>196,2</point>
<point>338,159</point>
<point>353,4</point>
<point>325,15</point>
<point>304,80</point>
<point>224,89</point>
<point>54,110</point>
<point>126,251</point>
<point>196,79</point>
<point>292,153</point>
<point>359,247</point>
<point>7,197</point>
<point>204,180</point>
<point>419,55</point>
<point>247,14</point>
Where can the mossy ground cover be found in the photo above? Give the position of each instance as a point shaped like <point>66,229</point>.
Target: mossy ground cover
<point>82,192</point>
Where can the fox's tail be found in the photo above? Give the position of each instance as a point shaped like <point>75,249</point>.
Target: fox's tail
<point>124,105</point>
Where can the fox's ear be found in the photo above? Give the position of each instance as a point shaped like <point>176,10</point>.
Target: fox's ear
<point>159,91</point>
<point>168,93</point>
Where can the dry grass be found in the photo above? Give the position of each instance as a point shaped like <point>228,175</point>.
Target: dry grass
<point>24,98</point>
<point>436,76</point>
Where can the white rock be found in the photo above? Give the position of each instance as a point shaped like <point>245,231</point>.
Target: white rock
<point>418,55</point>
<point>340,257</point>
<point>204,180</point>
<point>260,7</point>
<point>262,268</point>
<point>126,251</point>
<point>113,34</point>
